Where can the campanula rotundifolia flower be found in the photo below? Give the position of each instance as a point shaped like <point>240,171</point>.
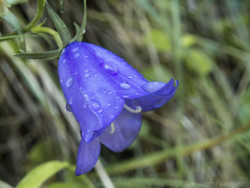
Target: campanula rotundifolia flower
<point>107,96</point>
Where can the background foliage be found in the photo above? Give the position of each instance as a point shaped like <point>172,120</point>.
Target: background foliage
<point>201,135</point>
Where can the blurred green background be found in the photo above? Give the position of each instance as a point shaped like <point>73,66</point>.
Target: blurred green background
<point>201,135</point>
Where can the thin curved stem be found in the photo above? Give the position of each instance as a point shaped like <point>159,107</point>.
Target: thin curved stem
<point>50,32</point>
<point>39,13</point>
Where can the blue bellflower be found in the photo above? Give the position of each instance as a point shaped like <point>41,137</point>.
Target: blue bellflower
<point>107,96</point>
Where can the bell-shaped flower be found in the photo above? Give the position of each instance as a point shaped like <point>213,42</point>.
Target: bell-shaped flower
<point>106,95</point>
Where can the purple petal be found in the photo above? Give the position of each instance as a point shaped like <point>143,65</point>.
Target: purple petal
<point>89,91</point>
<point>158,94</point>
<point>87,156</point>
<point>123,133</point>
<point>128,80</point>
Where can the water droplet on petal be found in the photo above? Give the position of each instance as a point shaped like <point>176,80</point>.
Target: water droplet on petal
<point>130,77</point>
<point>85,105</point>
<point>125,86</point>
<point>64,61</point>
<point>95,105</point>
<point>86,97</point>
<point>75,50</point>
<point>100,111</point>
<point>110,92</point>
<point>110,67</point>
<point>116,107</point>
<point>69,82</point>
<point>76,55</point>
<point>95,75</point>
<point>108,104</point>
<point>61,81</point>
<point>98,55</point>
<point>70,101</point>
<point>153,86</point>
<point>86,75</point>
<point>88,135</point>
<point>86,71</point>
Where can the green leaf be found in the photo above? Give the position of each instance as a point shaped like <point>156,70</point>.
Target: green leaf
<point>2,38</point>
<point>198,62</point>
<point>60,25</point>
<point>40,55</point>
<point>11,19</point>
<point>36,177</point>
<point>81,30</point>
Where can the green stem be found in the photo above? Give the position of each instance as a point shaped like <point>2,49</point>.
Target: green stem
<point>39,13</point>
<point>49,31</point>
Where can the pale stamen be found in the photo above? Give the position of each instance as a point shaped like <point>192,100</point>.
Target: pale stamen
<point>138,109</point>
<point>112,128</point>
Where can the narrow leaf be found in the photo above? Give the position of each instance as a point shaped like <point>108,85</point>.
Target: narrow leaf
<point>36,177</point>
<point>2,38</point>
<point>60,25</point>
<point>40,55</point>
<point>81,30</point>
<point>11,19</point>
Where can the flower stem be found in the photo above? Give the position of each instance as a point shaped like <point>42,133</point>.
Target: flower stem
<point>49,31</point>
<point>39,13</point>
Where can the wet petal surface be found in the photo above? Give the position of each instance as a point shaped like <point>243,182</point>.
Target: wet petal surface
<point>87,156</point>
<point>158,94</point>
<point>91,95</point>
<point>123,132</point>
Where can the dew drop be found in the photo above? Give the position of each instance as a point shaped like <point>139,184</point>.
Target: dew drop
<point>76,55</point>
<point>61,81</point>
<point>64,61</point>
<point>69,82</point>
<point>125,86</point>
<point>70,101</point>
<point>108,104</point>
<point>96,75</point>
<point>86,75</point>
<point>116,107</point>
<point>110,67</point>
<point>88,135</point>
<point>98,55</point>
<point>130,77</point>
<point>86,97</point>
<point>153,86</point>
<point>110,92</point>
<point>75,50</point>
<point>100,111</point>
<point>85,105</point>
<point>86,71</point>
<point>95,105</point>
